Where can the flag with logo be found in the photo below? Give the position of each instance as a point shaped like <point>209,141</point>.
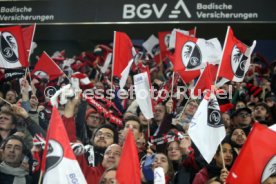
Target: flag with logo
<point>123,56</point>
<point>28,34</point>
<point>129,167</point>
<point>13,52</point>
<point>164,41</point>
<point>206,128</point>
<point>206,80</point>
<point>191,33</point>
<point>257,158</point>
<point>152,47</point>
<point>47,68</point>
<point>59,162</point>
<point>193,53</point>
<point>187,76</point>
<point>236,58</point>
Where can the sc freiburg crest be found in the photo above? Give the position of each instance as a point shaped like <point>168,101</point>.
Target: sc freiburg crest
<point>167,40</point>
<point>269,169</point>
<point>9,47</point>
<point>214,116</point>
<point>191,55</point>
<point>238,61</point>
<point>54,155</point>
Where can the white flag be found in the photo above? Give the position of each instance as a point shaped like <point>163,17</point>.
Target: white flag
<point>106,63</point>
<point>159,176</point>
<point>207,129</point>
<point>142,91</point>
<point>152,45</point>
<point>173,37</point>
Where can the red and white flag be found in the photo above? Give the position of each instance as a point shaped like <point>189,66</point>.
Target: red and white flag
<point>59,162</point>
<point>206,128</point>
<point>193,53</point>
<point>235,58</point>
<point>47,68</point>
<point>191,33</point>
<point>28,35</point>
<point>12,48</point>
<point>187,76</point>
<point>257,158</point>
<point>129,166</point>
<point>206,80</point>
<point>123,56</point>
<point>81,80</point>
<point>164,41</point>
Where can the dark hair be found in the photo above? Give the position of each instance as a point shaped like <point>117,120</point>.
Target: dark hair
<point>263,104</point>
<point>134,118</point>
<point>9,113</point>
<point>15,137</point>
<point>110,127</point>
<point>170,168</point>
<point>226,140</point>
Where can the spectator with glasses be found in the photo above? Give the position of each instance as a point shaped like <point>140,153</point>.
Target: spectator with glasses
<point>242,118</point>
<point>111,159</point>
<point>93,121</point>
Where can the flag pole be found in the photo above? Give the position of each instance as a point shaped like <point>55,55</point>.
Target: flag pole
<point>113,56</point>
<point>172,85</point>
<point>184,108</point>
<point>5,101</point>
<point>40,178</point>
<point>225,41</point>
<point>222,156</point>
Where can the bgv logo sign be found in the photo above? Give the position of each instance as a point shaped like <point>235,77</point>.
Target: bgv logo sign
<point>144,11</point>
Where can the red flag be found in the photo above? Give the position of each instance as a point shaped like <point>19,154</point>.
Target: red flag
<point>82,80</point>
<point>123,52</point>
<point>129,168</point>
<point>257,160</point>
<point>235,59</point>
<point>28,34</point>
<point>164,41</point>
<point>191,33</point>
<point>59,162</point>
<point>12,48</point>
<point>46,67</point>
<point>206,80</point>
<point>187,76</point>
<point>193,53</point>
<point>123,56</point>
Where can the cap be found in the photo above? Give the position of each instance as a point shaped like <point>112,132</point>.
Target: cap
<point>240,110</point>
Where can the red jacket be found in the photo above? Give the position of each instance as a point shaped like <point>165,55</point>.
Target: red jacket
<point>70,126</point>
<point>201,177</point>
<point>91,174</point>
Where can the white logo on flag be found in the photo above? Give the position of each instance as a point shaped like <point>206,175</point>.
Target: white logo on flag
<point>54,155</point>
<point>191,55</point>
<point>238,61</point>
<point>9,47</point>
